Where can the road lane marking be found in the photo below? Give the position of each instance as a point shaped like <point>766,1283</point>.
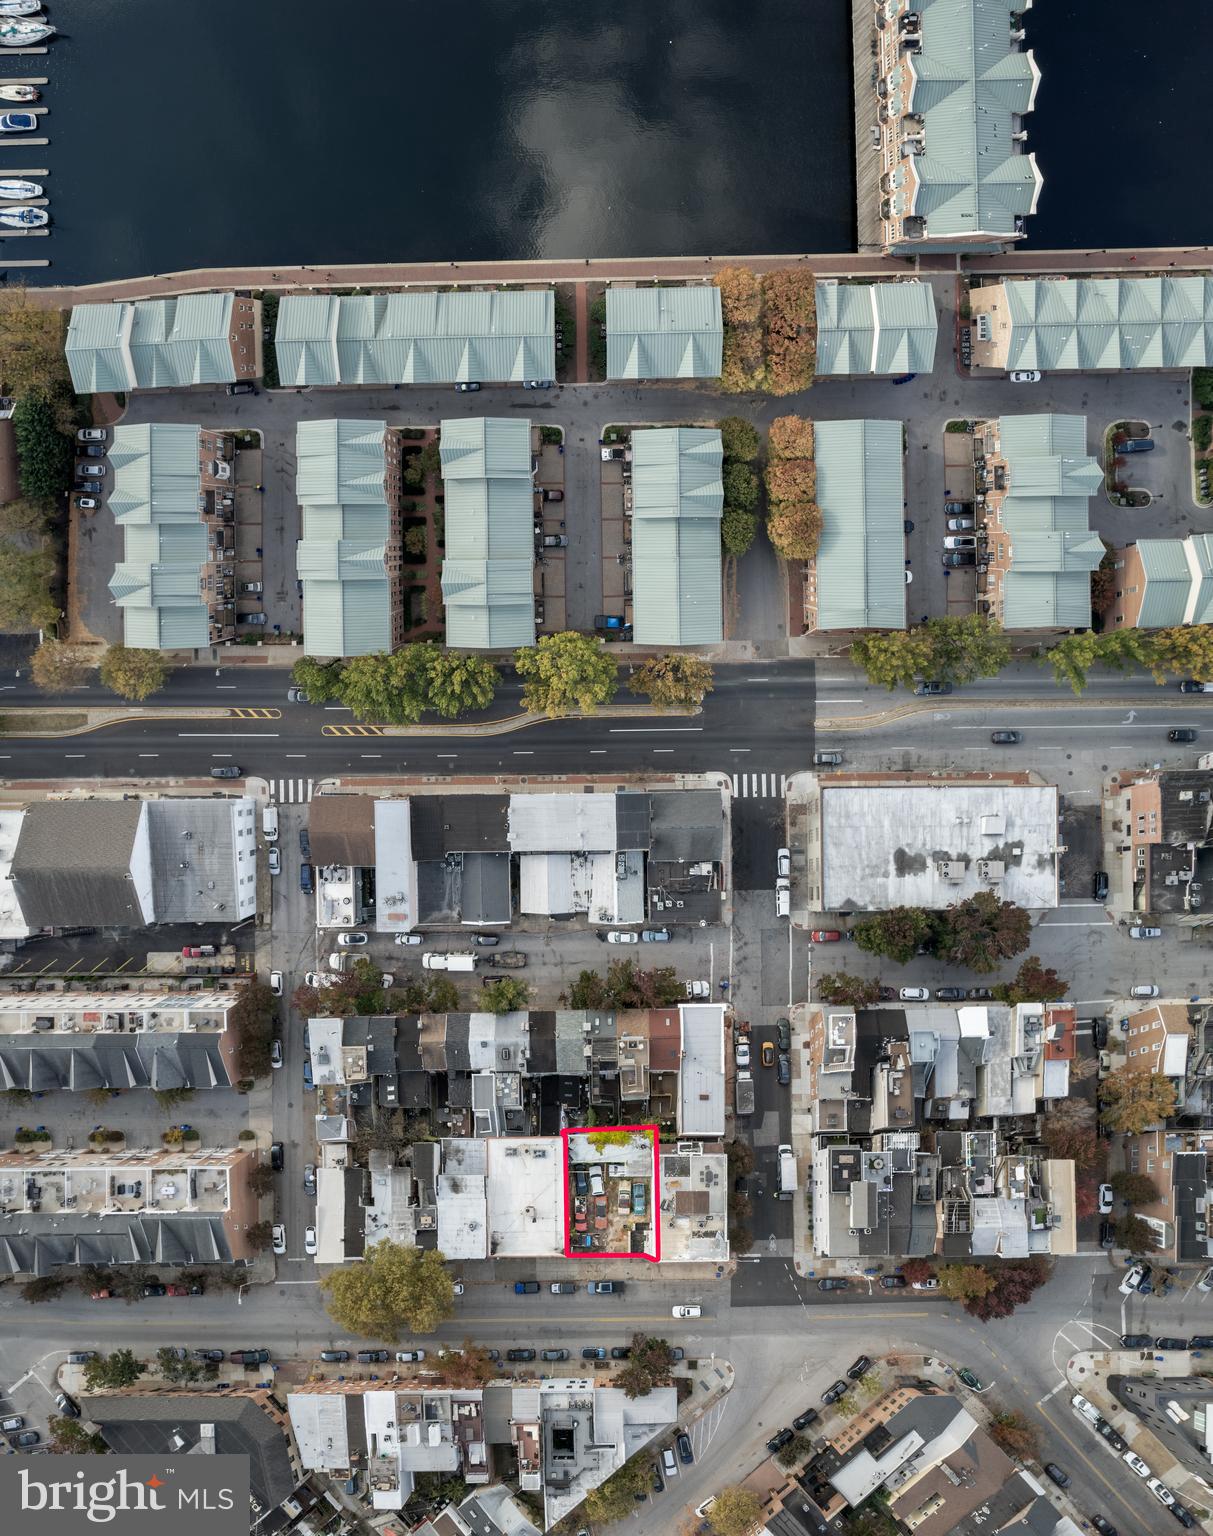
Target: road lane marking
<point>228,735</point>
<point>149,754</point>
<point>651,730</point>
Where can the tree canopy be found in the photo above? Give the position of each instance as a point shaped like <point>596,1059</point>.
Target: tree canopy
<point>1134,1101</point>
<point>615,1498</point>
<point>132,673</point>
<point>1134,1188</point>
<point>395,1287</point>
<point>1034,983</point>
<point>506,995</point>
<point>735,1511</point>
<point>57,667</point>
<point>627,985</point>
<point>950,649</point>
<point>27,582</point>
<point>677,681</point>
<point>847,991</point>
<point>982,931</point>
<point>739,439</point>
<point>109,1372</point>
<point>566,672</point>
<point>897,933</point>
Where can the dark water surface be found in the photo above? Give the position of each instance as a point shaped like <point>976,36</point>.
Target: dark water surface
<point>188,133</point>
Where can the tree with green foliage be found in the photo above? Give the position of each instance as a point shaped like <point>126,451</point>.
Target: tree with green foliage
<point>133,673</point>
<point>396,1287</point>
<point>442,995</point>
<point>42,1288</point>
<point>57,667</point>
<point>262,1179</point>
<point>675,681</point>
<point>740,487</point>
<point>616,1497</point>
<point>1185,651</point>
<point>737,530</point>
<point>506,995</point>
<point>416,540</point>
<point>589,991</point>
<point>951,649</point>
<point>172,1368</point>
<point>794,1451</point>
<point>1134,1188</point>
<point>566,672</point>
<point>458,681</point>
<point>1133,1101</point>
<point>106,1373</point>
<point>892,658</point>
<point>963,1282</point>
<point>795,531</point>
<point>846,991</point>
<point>1034,983</point>
<point>1134,1235</point>
<point>982,931</point>
<point>24,519</point>
<point>1073,656</point>
<point>32,335</point>
<point>650,1365</point>
<point>419,466</point>
<point>45,452</point>
<point>739,440</point>
<point>735,1511</point>
<point>898,933</point>
<point>388,688</point>
<point>254,1019</point>
<point>70,1438</point>
<point>320,680</point>
<point>27,580</point>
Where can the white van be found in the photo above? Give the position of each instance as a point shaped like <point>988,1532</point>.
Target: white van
<point>447,962</point>
<point>960,541</point>
<point>669,1462</point>
<point>269,823</point>
<point>783,897</point>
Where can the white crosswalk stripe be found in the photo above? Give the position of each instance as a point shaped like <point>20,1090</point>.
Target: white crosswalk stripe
<point>288,791</point>
<point>760,786</point>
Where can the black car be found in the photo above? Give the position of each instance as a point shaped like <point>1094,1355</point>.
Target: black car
<point>68,1406</point>
<point>1167,1342</point>
<point>27,1437</point>
<point>833,1283</point>
<point>1136,1341</point>
<point>590,1353</point>
<point>305,845</point>
<point>949,994</point>
<point>214,1356</point>
<point>1104,1527</point>
<point>155,1290</point>
<point>1053,1471</point>
<point>784,1068</point>
<point>1186,734</point>
<point>930,689</point>
<point>783,1034</point>
<point>227,771</point>
<point>373,1356</point>
<point>1184,1516</point>
<point>777,1442</point>
<point>621,1352</point>
<point>859,1367</point>
<point>555,1354</point>
<point>1201,1341</point>
<point>957,559</point>
<point>1115,1440</point>
<point>684,1449</point>
<point>1107,1234</point>
<point>520,1354</point>
<point>1099,885</point>
<point>803,1420</point>
<point>307,879</point>
<point>1190,685</point>
<point>1099,1033</point>
<point>893,1282</point>
<point>980,995</point>
<point>658,1484</point>
<point>581,1181</point>
<point>832,1394</point>
<point>241,389</point>
<point>276,1156</point>
<point>1006,738</point>
<point>678,1354</point>
<point>249,1356</point>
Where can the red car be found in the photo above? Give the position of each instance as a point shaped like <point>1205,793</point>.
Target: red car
<point>177,1290</point>
<point>825,936</point>
<point>101,1296</point>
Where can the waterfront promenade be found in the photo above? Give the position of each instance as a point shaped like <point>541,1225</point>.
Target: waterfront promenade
<point>389,275</point>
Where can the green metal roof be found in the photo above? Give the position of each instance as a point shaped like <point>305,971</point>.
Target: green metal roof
<point>875,327</point>
<point>341,558</point>
<point>488,570</point>
<point>151,343</point>
<point>156,500</point>
<point>416,338</point>
<point>677,502</point>
<point>861,580</point>
<point>1110,322</point>
<point>969,84</point>
<point>1168,579</point>
<point>1046,511</point>
<point>664,333</point>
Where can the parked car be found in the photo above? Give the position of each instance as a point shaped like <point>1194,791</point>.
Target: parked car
<point>1169,1343</point>
<point>274,860</point>
<point>961,524</point>
<point>241,389</point>
<point>1192,685</point>
<point>94,451</point>
<point>592,1353</point>
<point>1116,1441</point>
<point>930,689</point>
<point>1099,885</point>
<point>1088,1410</point>
<point>553,495</point>
<point>834,1283</point>
<point>1135,1340</point>
<point>279,1237</point>
<point>803,1420</point>
<point>1146,989</point>
<point>308,1081</point>
<point>562,1287</point>
<point>684,1448</point>
<point>1201,1341</point>
<point>783,1034</point>
<point>155,1290</point>
<point>373,1356</point>
<point>1054,1472</point>
<point>408,940</point>
<point>957,559</point>
<point>784,1069</point>
<point>1138,932</point>
<point>827,759</point>
<point>1106,1199</point>
<point>554,541</point>
<point>1006,738</point>
<point>230,771</point>
<point>410,1356</point>
<point>767,1054</point>
<point>693,1310</point>
<point>604,1288</point>
<point>893,1282</point>
<point>467,386</point>
<point>741,1053</point>
<point>90,471</point>
<point>1184,1515</point>
<point>335,1356</point>
<point>307,879</point>
<point>779,1440</point>
<point>621,1352</point>
<point>309,1242</point>
<point>211,1356</point>
<point>249,1356</point>
<point>1107,1234</point>
<point>91,435</point>
<point>858,1367</point>
<point>970,1380</point>
<point>526,1287</point>
<point>1136,1463</point>
<point>309,1179</point>
<point>825,936</point>
<point>839,1389</point>
<point>353,940</point>
<point>276,1158</point>
<point>554,1354</point>
<point>276,1051</point>
<point>27,1437</point>
<point>1182,735</point>
<point>276,983</point>
<point>979,995</point>
<point>655,936</point>
<point>1026,376</point>
<point>929,1284</point>
<point>256,587</point>
<point>1133,445</point>
<point>87,503</point>
<point>621,936</point>
<point>949,994</point>
<point>256,619</point>
<point>914,994</point>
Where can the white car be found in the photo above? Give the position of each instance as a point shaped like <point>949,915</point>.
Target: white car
<point>1205,1283</point>
<point>309,1242</point>
<point>1137,1464</point>
<point>1106,1199</point>
<point>275,1053</point>
<point>457,1288</point>
<point>1161,1492</point>
<point>1026,376</point>
<point>317,980</point>
<point>1147,989</point>
<point>1145,933</point>
<point>386,979</point>
<point>276,983</point>
<point>408,1356</point>
<point>275,861</point>
<point>914,995</point>
<point>783,863</point>
<point>1132,1280</point>
<point>279,1237</point>
<point>87,503</point>
<point>925,1285</point>
<point>409,938</point>
<point>618,936</point>
<point>351,940</point>
<point>91,435</point>
<point>742,1053</point>
<point>693,1311</point>
<point>1086,1409</point>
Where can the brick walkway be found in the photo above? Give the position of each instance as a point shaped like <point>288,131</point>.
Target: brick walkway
<point>583,339</point>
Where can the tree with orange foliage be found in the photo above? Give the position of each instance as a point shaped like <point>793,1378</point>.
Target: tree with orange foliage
<point>791,437</point>
<point>795,531</point>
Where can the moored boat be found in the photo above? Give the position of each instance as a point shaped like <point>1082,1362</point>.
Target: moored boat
<point>19,93</point>
<point>18,32</point>
<point>24,218</point>
<point>17,122</point>
<point>10,187</point>
<point>20,7</point>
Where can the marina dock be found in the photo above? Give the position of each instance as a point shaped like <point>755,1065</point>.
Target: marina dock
<point>17,143</point>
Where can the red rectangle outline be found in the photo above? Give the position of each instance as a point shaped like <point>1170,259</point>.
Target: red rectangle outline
<point>655,1199</point>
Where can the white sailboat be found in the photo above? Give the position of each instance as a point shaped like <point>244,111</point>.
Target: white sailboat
<point>20,7</point>
<point>24,218</point>
<point>19,93</point>
<point>11,187</point>
<point>21,33</point>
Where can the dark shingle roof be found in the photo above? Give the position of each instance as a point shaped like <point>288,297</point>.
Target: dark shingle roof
<point>688,826</point>
<point>442,824</point>
<point>341,829</point>
<point>72,861</point>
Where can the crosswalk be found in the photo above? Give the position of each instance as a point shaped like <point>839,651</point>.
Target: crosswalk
<point>760,786</point>
<point>291,791</point>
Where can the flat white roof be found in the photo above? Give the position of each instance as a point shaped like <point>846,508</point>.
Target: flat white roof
<point>702,1076</point>
<point>525,1196</point>
<point>932,845</point>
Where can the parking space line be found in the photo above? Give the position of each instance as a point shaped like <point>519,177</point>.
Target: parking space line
<point>124,965</point>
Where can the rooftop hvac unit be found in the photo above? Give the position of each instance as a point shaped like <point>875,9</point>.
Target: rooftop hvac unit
<point>991,870</point>
<point>950,870</point>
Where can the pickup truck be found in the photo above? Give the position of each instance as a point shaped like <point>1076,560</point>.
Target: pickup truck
<point>510,959</point>
<point>526,1287</point>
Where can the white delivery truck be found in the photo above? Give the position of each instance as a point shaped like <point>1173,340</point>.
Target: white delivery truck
<point>787,1173</point>
<point>448,962</point>
<point>269,823</point>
